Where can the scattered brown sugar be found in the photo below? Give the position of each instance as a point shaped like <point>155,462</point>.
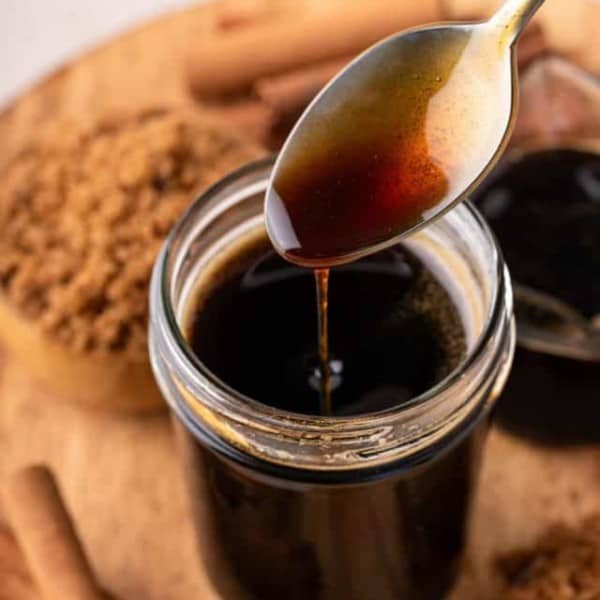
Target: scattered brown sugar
<point>84,211</point>
<point>563,565</point>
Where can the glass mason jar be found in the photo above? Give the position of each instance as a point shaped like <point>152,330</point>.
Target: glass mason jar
<point>365,507</point>
<point>556,279</point>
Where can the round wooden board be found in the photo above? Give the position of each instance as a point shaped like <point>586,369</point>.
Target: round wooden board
<point>120,475</point>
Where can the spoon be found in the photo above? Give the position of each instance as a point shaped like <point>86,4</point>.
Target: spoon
<point>547,324</point>
<point>397,138</point>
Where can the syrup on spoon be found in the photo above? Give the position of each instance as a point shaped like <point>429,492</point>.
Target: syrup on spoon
<point>397,138</point>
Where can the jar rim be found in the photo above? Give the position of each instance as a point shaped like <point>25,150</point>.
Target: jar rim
<point>236,407</point>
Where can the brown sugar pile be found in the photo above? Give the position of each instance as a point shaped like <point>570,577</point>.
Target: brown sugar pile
<point>563,565</point>
<point>83,213</point>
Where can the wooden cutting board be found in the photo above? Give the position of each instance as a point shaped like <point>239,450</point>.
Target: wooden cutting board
<point>120,475</point>
<point>122,480</point>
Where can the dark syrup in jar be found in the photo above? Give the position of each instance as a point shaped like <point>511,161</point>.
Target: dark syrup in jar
<point>545,209</point>
<point>268,531</point>
<point>394,331</point>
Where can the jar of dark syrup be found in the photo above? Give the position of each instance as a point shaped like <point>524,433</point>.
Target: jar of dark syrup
<point>372,501</point>
<point>543,203</point>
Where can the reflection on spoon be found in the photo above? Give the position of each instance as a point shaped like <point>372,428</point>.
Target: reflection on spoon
<point>546,324</point>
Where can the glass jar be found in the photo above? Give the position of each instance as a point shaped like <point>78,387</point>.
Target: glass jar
<point>295,506</point>
<point>556,275</point>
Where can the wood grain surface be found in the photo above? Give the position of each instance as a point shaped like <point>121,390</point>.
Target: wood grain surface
<point>120,475</point>
<point>122,482</point>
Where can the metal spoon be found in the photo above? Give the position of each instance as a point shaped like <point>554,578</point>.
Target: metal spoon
<point>547,324</point>
<point>436,101</point>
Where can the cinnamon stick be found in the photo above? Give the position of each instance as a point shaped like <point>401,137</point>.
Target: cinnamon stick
<point>250,117</point>
<point>15,582</point>
<point>231,63</point>
<point>572,29</point>
<point>47,537</point>
<point>287,95</point>
<point>231,14</point>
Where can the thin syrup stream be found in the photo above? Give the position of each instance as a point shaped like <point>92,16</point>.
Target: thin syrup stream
<point>322,282</point>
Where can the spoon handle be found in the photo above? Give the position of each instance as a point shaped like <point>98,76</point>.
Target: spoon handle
<point>512,16</point>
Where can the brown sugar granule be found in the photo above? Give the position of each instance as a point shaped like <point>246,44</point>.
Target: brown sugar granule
<point>563,565</point>
<point>84,211</point>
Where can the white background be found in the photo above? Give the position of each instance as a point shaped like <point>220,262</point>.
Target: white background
<point>37,35</point>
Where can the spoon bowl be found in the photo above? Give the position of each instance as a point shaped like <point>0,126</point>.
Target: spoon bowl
<point>402,134</point>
